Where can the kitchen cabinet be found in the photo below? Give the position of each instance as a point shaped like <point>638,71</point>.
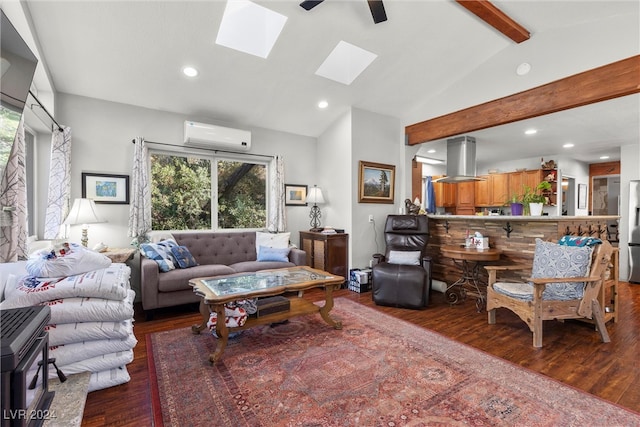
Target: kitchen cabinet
<point>482,190</point>
<point>465,194</point>
<point>445,194</point>
<point>517,181</point>
<point>493,190</point>
<point>327,252</point>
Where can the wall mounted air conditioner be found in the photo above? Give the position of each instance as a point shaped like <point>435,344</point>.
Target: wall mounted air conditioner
<point>216,137</point>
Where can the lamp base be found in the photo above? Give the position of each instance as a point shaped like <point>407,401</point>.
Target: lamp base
<point>316,229</point>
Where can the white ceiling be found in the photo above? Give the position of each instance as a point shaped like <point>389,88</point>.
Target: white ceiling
<point>434,57</point>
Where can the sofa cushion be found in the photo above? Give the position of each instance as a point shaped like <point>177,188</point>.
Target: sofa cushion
<point>178,279</point>
<point>251,266</point>
<point>183,257</point>
<point>266,253</point>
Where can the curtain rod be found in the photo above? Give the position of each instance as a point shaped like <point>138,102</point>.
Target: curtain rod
<point>45,110</point>
<point>215,150</point>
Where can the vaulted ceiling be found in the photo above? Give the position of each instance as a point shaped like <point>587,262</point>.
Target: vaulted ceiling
<point>433,57</point>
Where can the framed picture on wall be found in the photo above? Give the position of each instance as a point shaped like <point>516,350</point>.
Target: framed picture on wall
<point>376,182</point>
<point>105,188</point>
<point>295,195</point>
<point>582,196</point>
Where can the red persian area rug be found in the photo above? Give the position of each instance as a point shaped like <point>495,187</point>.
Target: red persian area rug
<point>376,371</point>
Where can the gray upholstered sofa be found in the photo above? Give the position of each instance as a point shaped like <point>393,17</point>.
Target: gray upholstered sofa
<point>217,254</point>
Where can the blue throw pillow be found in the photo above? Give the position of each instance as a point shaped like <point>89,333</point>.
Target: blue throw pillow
<point>273,254</point>
<point>183,257</point>
<point>160,253</point>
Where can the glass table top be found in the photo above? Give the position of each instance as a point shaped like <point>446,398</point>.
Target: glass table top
<point>262,280</point>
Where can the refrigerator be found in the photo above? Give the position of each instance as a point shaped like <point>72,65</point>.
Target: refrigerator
<point>634,231</point>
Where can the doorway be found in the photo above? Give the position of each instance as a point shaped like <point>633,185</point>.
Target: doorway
<point>605,200</point>
<point>568,196</point>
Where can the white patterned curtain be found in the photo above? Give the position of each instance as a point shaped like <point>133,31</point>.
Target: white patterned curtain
<point>59,183</point>
<point>277,217</point>
<point>13,203</point>
<point>140,208</point>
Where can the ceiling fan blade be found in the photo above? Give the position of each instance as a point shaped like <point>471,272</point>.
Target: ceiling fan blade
<point>377,11</point>
<point>310,4</point>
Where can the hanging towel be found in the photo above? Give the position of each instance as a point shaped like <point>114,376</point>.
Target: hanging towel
<point>430,204</point>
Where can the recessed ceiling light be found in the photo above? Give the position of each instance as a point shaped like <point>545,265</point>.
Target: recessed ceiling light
<point>323,104</point>
<point>190,71</point>
<point>530,132</point>
<point>523,69</point>
<point>431,151</point>
<point>250,28</point>
<point>604,157</point>
<point>345,63</point>
<point>568,145</point>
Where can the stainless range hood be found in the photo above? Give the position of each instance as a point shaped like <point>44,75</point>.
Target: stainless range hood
<point>461,160</point>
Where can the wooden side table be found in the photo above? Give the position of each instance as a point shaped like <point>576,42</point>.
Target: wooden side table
<point>120,254</point>
<point>327,252</point>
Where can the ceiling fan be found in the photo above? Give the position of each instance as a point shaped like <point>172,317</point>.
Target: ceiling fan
<point>377,8</point>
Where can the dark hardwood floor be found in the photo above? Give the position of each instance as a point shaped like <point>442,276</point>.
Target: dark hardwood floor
<point>572,351</point>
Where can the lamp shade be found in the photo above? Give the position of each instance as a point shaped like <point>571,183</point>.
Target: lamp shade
<point>315,196</point>
<point>83,211</point>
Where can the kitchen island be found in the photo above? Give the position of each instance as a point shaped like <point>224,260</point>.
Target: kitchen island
<point>513,236</point>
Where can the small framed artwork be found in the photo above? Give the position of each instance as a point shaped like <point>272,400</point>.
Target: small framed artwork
<point>376,182</point>
<point>105,188</point>
<point>295,195</point>
<point>582,196</point>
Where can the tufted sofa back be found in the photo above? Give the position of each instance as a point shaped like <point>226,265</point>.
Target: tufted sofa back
<point>212,247</point>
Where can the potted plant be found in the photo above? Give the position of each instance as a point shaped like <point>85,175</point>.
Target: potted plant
<point>516,205</point>
<point>534,199</point>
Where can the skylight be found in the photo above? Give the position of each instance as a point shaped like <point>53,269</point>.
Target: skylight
<point>250,28</point>
<point>345,63</point>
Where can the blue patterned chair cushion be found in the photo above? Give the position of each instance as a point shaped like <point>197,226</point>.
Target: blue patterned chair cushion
<point>161,253</point>
<point>579,241</point>
<point>553,260</point>
<point>183,257</point>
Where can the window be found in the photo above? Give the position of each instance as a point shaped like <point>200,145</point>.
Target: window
<point>196,192</point>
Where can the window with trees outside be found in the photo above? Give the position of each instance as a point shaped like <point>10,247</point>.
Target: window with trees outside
<point>197,192</point>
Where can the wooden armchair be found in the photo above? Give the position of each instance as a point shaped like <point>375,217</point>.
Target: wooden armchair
<point>563,296</point>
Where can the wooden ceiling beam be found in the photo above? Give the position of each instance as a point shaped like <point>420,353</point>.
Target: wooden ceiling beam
<point>497,19</point>
<point>610,81</point>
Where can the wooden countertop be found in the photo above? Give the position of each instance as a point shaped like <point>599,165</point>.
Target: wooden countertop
<point>528,218</point>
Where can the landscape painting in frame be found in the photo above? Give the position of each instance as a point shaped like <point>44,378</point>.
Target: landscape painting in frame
<point>295,195</point>
<point>105,188</point>
<point>376,182</point>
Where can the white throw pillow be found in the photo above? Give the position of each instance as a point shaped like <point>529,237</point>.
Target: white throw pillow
<point>404,257</point>
<point>271,240</point>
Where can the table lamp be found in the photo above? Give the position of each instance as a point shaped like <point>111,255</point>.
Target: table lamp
<point>83,212</point>
<point>315,197</point>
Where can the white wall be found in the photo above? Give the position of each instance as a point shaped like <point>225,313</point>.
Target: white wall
<point>102,132</point>
<point>630,155</point>
<point>375,138</point>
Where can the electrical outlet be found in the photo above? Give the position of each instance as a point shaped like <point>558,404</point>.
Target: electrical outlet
<point>370,218</point>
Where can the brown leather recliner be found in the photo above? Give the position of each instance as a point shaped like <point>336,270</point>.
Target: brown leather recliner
<point>402,276</point>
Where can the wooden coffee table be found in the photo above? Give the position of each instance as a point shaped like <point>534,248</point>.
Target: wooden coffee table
<point>216,291</point>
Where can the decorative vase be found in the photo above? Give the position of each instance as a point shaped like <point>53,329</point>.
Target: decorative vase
<point>535,209</point>
<point>517,208</point>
